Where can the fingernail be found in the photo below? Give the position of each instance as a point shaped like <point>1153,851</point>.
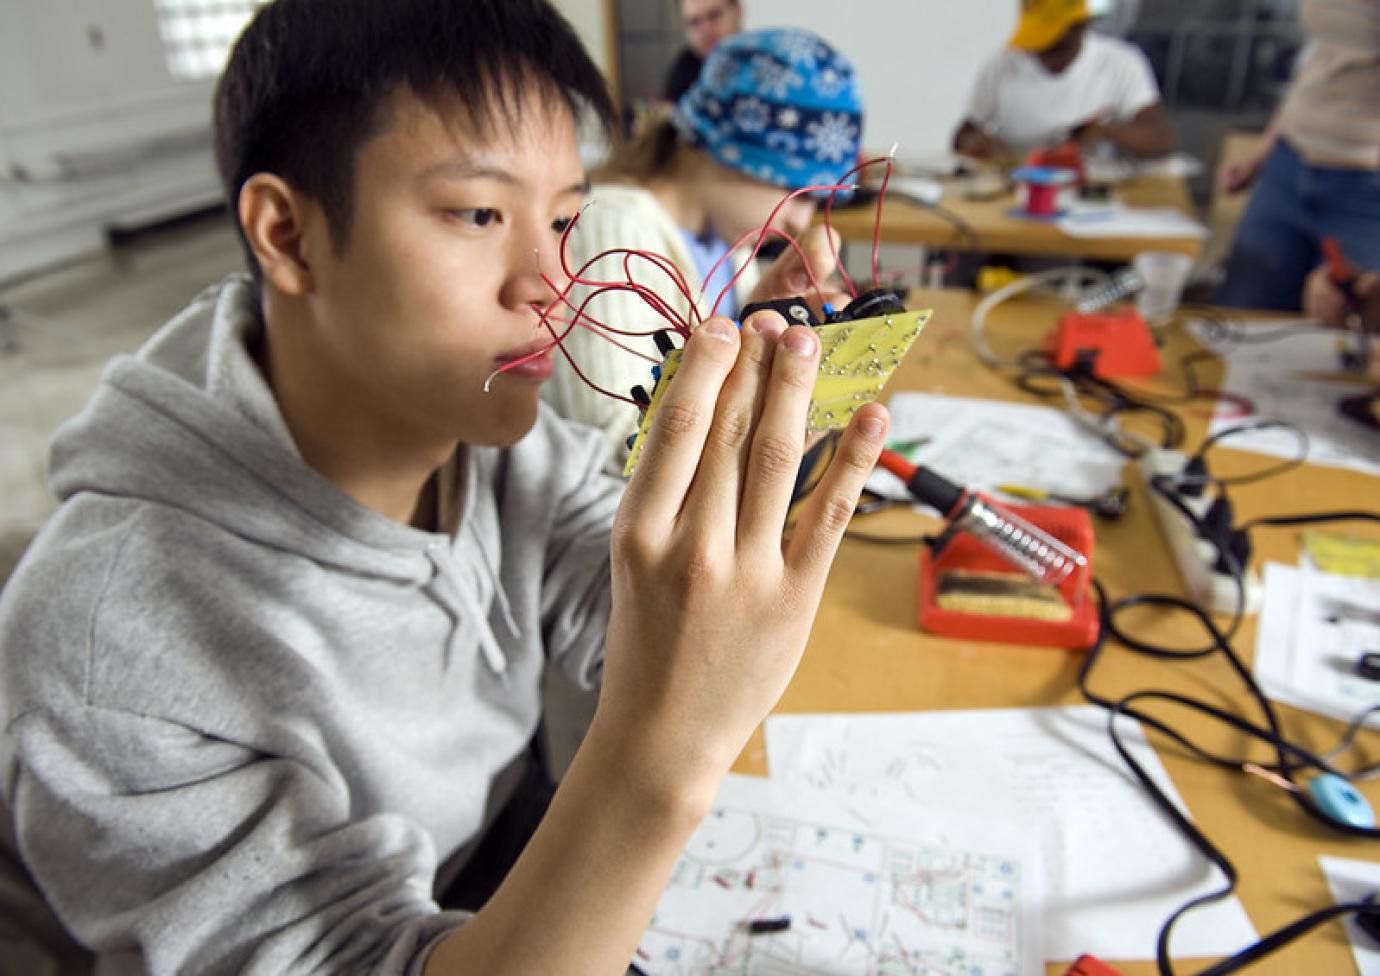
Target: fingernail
<point>766,324</point>
<point>719,328</point>
<point>797,282</point>
<point>871,425</point>
<point>800,341</point>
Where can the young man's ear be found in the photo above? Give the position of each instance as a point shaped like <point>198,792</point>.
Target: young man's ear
<point>276,219</point>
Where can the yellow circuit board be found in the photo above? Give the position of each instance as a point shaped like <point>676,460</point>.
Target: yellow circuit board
<point>855,361</point>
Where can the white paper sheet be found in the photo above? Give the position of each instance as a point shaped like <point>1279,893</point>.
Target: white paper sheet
<point>1313,628</point>
<point>880,891</point>
<point>1281,379</point>
<point>1353,881</point>
<point>1115,866</point>
<point>1115,220</point>
<point>981,444</point>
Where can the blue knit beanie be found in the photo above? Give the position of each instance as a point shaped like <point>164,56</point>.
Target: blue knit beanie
<point>781,106</point>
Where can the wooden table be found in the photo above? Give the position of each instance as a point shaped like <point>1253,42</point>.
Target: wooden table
<point>997,232</point>
<point>867,653</point>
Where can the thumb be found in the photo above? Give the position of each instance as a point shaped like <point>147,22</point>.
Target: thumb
<point>819,246</point>
<point>1368,286</point>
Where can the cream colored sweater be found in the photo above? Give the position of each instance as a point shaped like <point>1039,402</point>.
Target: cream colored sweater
<point>621,216</point>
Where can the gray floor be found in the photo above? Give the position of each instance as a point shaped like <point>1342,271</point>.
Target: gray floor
<point>61,329</point>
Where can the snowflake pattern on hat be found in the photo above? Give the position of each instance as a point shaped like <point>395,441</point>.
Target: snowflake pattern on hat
<point>777,105</point>
<point>833,137</point>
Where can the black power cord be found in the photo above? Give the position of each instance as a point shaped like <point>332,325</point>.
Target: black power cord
<point>1289,757</point>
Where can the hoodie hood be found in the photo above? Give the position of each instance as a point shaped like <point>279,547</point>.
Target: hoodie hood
<point>194,406</point>
<point>181,406</point>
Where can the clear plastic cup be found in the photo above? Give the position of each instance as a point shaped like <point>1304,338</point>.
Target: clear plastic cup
<point>1164,275</point>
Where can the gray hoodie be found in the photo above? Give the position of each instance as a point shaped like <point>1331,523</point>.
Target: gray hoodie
<point>246,721</point>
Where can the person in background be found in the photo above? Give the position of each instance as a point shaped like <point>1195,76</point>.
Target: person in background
<point>1316,171</point>
<point>1057,81</point>
<point>707,22</point>
<point>1324,301</point>
<point>773,111</point>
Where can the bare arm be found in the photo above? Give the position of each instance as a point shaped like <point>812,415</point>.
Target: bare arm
<point>972,140</point>
<point>710,617</point>
<point>1146,135</point>
<point>1241,174</point>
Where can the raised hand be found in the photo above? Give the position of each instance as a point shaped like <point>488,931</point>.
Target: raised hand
<point>710,611</point>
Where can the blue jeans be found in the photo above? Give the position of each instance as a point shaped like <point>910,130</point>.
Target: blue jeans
<point>1293,208</point>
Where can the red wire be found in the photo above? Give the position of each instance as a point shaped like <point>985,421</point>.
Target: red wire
<point>799,251</point>
<point>673,272</point>
<point>877,223</point>
<point>654,300</point>
<point>876,228</point>
<point>580,316</point>
<point>762,234</point>
<point>665,264</point>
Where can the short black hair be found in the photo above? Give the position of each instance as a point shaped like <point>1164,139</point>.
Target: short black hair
<point>307,82</point>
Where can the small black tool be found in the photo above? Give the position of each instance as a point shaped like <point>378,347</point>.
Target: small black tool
<point>764,926</point>
<point>870,304</point>
<point>1368,666</point>
<point>1370,921</point>
<point>794,310</point>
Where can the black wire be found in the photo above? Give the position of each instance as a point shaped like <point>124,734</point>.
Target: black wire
<point>1269,471</point>
<point>888,540</point>
<point>1231,332</point>
<point>971,242</point>
<point>1114,399</point>
<point>1288,755</point>
<point>815,462</point>
<point>1314,518</point>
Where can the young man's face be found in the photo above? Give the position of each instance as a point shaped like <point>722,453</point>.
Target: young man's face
<point>707,22</point>
<point>437,285</point>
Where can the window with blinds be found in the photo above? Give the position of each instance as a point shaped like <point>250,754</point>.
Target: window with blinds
<point>197,34</point>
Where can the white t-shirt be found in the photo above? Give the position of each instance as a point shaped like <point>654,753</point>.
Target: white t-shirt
<point>1016,100</point>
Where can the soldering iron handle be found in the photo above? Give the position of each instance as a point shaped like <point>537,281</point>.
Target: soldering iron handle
<point>924,485</point>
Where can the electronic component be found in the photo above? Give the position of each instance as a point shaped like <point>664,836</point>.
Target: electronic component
<point>1364,408</point>
<point>1206,579</point>
<point>967,586</point>
<point>1042,191</point>
<point>999,595</point>
<point>1106,344</point>
<point>1343,274</point>
<point>1123,285</point>
<point>1368,665</point>
<point>1011,607</point>
<point>856,359</point>
<point>1110,505</point>
<point>1024,546</point>
<point>1338,799</point>
<point>1369,921</point>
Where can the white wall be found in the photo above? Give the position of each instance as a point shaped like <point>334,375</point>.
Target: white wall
<point>589,18</point>
<point>94,132</point>
<point>916,59</point>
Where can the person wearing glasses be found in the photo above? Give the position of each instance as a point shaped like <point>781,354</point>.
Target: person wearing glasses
<point>707,22</point>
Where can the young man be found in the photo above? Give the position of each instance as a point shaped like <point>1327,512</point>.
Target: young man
<point>271,673</point>
<point>1058,81</point>
<point>707,22</point>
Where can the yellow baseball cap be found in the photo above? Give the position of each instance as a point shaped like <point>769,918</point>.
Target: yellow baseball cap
<point>1044,22</point>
